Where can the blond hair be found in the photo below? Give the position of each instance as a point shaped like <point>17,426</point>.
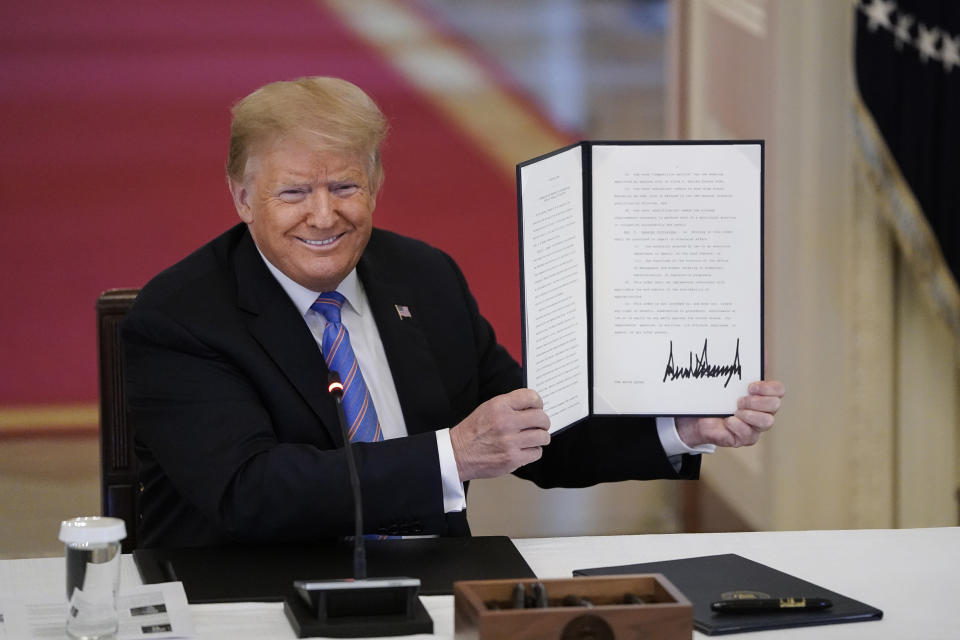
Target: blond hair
<point>334,112</point>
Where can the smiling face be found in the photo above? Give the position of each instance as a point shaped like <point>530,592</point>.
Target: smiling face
<point>309,211</point>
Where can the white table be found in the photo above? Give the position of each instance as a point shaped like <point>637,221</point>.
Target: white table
<point>913,575</point>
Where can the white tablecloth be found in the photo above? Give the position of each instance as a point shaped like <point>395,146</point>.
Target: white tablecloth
<point>913,575</point>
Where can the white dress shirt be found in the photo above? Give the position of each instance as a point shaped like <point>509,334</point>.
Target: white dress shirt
<point>367,346</point>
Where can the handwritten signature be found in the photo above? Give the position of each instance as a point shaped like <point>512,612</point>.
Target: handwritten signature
<point>700,367</point>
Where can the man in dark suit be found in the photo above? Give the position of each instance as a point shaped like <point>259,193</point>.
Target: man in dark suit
<point>226,372</point>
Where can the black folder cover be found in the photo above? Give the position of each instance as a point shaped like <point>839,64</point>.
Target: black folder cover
<point>704,579</point>
<point>238,574</point>
<point>587,148</point>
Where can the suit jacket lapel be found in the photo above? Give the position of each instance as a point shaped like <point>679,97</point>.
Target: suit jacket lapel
<point>277,325</point>
<point>423,400</point>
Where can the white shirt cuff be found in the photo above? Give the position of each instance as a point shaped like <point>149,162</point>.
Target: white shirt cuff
<point>454,497</point>
<point>672,444</point>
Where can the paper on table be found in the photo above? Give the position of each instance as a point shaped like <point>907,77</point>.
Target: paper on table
<point>150,611</point>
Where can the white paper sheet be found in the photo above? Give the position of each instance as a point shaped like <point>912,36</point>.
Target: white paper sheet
<point>555,285</point>
<point>677,277</point>
<point>157,611</point>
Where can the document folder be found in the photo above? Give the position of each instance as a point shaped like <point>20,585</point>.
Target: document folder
<point>706,579</point>
<point>641,270</point>
<point>238,574</point>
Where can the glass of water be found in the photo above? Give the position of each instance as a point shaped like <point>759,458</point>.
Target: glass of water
<point>92,552</point>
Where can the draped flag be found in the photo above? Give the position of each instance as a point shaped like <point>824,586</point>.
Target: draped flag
<point>907,63</point>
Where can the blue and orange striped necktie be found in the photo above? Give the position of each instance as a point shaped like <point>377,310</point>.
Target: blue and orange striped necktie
<point>362,422</point>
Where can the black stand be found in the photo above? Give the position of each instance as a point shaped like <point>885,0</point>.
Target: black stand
<point>358,608</point>
<point>362,606</point>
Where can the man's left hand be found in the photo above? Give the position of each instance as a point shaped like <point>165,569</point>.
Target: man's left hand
<point>754,415</point>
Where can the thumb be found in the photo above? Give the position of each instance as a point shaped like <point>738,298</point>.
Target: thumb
<point>520,399</point>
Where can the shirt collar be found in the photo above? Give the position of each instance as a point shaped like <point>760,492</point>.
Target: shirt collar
<point>302,297</point>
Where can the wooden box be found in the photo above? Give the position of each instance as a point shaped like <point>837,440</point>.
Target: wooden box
<point>483,610</point>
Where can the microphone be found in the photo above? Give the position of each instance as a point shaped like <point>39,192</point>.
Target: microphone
<point>362,606</point>
<point>335,388</point>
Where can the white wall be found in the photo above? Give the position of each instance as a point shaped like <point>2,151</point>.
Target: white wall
<point>867,436</point>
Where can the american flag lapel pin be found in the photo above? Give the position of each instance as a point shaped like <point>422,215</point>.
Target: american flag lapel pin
<point>403,311</point>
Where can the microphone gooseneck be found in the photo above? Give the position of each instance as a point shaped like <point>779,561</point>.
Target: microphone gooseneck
<point>335,388</point>
<point>361,607</point>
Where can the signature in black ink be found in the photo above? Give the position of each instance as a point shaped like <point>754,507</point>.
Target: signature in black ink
<point>700,366</point>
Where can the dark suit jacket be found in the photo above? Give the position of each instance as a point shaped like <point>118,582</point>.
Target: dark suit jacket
<point>238,440</point>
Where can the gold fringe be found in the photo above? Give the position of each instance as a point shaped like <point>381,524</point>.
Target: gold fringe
<point>900,208</point>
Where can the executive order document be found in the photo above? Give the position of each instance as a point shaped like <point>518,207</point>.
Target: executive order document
<point>642,277</point>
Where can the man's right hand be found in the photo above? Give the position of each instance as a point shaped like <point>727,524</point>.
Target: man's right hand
<point>501,435</point>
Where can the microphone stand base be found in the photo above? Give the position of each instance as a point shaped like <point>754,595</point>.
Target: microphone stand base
<point>357,608</point>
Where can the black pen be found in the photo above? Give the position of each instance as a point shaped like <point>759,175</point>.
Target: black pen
<point>769,605</point>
